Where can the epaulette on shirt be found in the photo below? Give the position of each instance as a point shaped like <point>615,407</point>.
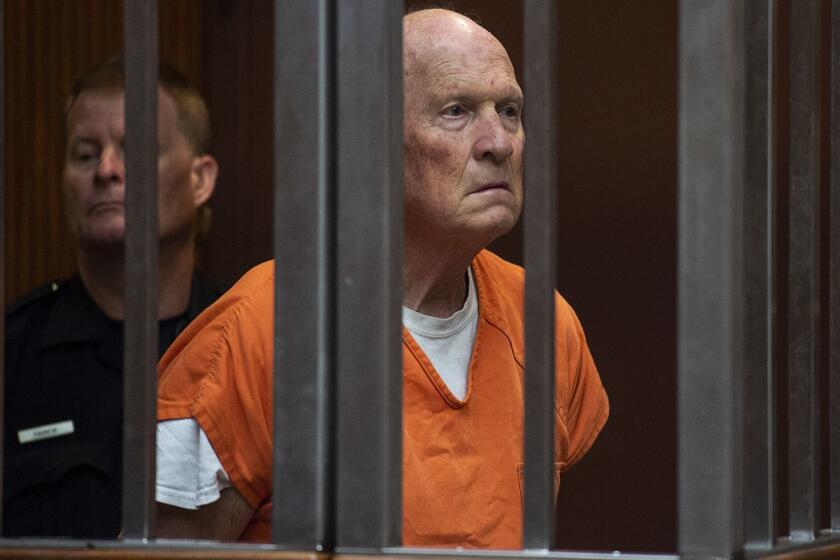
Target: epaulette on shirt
<point>38,294</point>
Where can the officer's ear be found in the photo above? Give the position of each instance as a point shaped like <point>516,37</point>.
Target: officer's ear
<point>203,175</point>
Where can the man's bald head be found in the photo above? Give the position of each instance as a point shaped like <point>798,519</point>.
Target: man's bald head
<point>430,36</point>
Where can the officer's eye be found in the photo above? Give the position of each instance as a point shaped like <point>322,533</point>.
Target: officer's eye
<point>84,152</point>
<point>85,157</point>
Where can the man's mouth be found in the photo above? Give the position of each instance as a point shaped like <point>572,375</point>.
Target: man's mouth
<point>106,206</point>
<point>503,185</point>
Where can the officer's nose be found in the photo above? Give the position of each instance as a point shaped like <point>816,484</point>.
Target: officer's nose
<point>111,168</point>
<point>494,140</point>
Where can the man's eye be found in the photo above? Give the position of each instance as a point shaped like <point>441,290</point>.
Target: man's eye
<point>84,157</point>
<point>84,153</point>
<point>510,112</point>
<point>454,111</point>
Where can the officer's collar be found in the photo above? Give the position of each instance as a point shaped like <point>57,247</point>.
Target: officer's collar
<point>202,294</point>
<point>74,318</point>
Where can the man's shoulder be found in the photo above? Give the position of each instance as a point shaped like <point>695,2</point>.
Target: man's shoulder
<point>244,313</point>
<point>255,285</point>
<point>30,319</point>
<point>496,265</point>
<point>499,275</point>
<point>504,283</point>
<point>255,288</point>
<point>26,310</point>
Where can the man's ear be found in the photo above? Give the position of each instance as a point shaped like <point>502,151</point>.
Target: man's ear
<point>204,171</point>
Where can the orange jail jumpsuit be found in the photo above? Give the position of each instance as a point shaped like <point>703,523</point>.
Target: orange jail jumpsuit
<point>462,460</point>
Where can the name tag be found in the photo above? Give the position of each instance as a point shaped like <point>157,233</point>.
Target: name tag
<point>46,431</point>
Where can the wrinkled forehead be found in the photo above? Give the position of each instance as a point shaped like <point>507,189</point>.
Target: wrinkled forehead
<point>445,58</point>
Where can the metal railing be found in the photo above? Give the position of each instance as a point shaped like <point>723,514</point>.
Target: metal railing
<point>141,265</point>
<point>727,252</point>
<point>338,244</point>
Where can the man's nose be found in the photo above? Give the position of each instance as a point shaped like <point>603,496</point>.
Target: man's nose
<point>494,139</point>
<point>111,166</point>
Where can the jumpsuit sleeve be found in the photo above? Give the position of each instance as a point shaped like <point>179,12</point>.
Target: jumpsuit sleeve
<point>581,399</point>
<point>219,372</point>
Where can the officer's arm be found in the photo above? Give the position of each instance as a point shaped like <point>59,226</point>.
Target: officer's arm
<point>224,520</point>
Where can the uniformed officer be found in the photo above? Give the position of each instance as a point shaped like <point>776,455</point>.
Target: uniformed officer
<point>64,341</point>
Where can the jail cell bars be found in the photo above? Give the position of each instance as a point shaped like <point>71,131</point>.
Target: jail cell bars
<point>540,262</point>
<point>338,245</point>
<point>834,272</point>
<point>758,231</point>
<point>710,276</point>
<point>141,258</point>
<point>303,226</point>
<point>727,279</point>
<point>2,233</point>
<point>804,276</point>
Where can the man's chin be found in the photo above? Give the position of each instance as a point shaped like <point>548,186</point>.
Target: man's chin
<point>492,227</point>
<point>102,240</point>
<point>501,220</point>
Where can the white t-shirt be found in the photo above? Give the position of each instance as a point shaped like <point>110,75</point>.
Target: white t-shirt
<point>189,474</point>
<point>448,342</point>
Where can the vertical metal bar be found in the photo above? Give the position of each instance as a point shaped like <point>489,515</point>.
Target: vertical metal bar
<point>540,266</point>
<point>303,246</point>
<point>759,205</point>
<point>141,266</point>
<point>803,280</point>
<point>2,245</point>
<point>834,271</point>
<point>710,285</point>
<point>369,270</point>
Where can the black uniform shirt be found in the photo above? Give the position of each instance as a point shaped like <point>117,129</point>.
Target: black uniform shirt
<point>63,411</point>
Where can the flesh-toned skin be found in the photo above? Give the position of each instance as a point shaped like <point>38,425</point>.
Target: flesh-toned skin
<point>463,142</point>
<point>223,520</point>
<point>93,187</point>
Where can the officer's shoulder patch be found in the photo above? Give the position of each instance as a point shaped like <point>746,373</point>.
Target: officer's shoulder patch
<point>39,294</point>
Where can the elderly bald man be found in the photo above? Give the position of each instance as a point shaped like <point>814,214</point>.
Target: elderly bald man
<point>462,342</point>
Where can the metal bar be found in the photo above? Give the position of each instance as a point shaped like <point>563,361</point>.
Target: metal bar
<point>710,284</point>
<point>141,266</point>
<point>759,247</point>
<point>303,246</point>
<point>834,272</point>
<point>527,553</point>
<point>186,549</point>
<point>540,265</point>
<point>2,246</point>
<point>803,280</point>
<point>369,271</point>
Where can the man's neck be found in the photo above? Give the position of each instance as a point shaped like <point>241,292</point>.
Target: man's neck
<point>434,278</point>
<point>103,274</point>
